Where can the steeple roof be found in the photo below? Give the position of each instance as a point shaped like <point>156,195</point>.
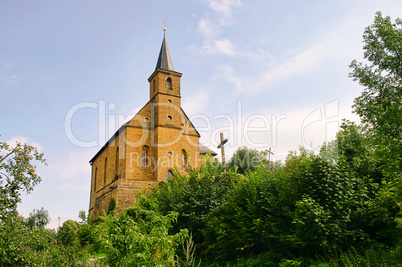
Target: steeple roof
<point>164,59</point>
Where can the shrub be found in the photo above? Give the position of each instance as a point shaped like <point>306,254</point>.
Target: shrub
<point>68,233</point>
<point>194,195</point>
<point>22,246</point>
<point>139,237</point>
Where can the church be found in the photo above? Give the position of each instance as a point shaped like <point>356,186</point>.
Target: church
<point>144,151</point>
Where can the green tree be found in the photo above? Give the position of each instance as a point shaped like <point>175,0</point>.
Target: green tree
<point>38,218</point>
<point>82,216</point>
<point>68,233</point>
<point>379,105</point>
<point>247,159</point>
<point>17,174</point>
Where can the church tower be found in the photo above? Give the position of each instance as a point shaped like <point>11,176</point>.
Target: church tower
<point>147,149</point>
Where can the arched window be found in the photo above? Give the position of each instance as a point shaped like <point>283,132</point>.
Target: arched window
<point>169,119</point>
<point>96,173</point>
<point>104,174</point>
<point>145,157</point>
<point>169,84</point>
<point>116,170</point>
<point>168,174</point>
<point>184,158</point>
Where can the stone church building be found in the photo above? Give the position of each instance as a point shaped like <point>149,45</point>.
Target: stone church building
<point>146,149</point>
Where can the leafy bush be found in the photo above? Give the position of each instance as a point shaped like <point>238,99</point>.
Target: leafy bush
<point>194,195</point>
<point>139,237</point>
<point>21,245</point>
<point>255,218</point>
<point>330,197</point>
<point>68,233</point>
<point>86,235</point>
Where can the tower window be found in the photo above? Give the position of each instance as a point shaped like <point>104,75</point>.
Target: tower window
<point>169,101</point>
<point>169,84</point>
<point>169,119</point>
<point>104,174</point>
<point>116,175</point>
<point>145,158</point>
<point>96,173</point>
<point>184,158</point>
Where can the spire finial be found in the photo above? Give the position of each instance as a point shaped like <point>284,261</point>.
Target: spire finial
<point>164,24</point>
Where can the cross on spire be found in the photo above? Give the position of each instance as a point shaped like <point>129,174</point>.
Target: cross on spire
<point>164,24</point>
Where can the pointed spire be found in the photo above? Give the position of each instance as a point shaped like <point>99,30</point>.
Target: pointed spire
<point>164,59</point>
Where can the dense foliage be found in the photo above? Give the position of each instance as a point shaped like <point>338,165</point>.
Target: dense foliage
<point>20,245</point>
<point>139,237</point>
<point>194,195</point>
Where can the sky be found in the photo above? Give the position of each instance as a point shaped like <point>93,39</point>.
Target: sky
<point>268,74</point>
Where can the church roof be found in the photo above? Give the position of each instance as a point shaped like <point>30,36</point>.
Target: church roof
<point>204,150</point>
<point>164,59</point>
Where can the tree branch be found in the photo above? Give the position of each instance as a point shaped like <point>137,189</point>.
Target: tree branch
<point>12,151</point>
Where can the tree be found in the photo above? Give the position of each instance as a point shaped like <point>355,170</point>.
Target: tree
<point>379,105</point>
<point>68,233</point>
<point>17,174</point>
<point>38,218</point>
<point>82,216</point>
<point>247,159</point>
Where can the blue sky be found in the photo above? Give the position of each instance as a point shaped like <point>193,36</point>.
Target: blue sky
<point>266,73</point>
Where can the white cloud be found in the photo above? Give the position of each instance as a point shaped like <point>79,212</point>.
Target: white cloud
<point>260,55</point>
<point>17,139</point>
<point>224,7</point>
<point>206,27</point>
<point>228,74</point>
<point>210,24</point>
<point>227,48</point>
<point>224,47</point>
<point>23,140</point>
<point>71,167</point>
<point>195,103</point>
<point>333,45</point>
